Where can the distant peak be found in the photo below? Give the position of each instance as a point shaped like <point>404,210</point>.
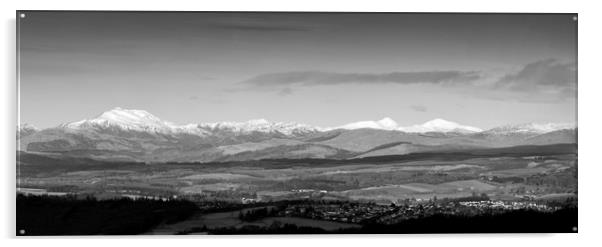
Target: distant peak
<point>439,122</point>
<point>121,113</point>
<point>129,119</point>
<point>383,124</point>
<point>387,122</point>
<point>435,125</point>
<point>440,125</point>
<point>261,125</point>
<point>259,121</point>
<point>141,120</point>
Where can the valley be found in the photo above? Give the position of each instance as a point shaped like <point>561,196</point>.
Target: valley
<point>263,177</point>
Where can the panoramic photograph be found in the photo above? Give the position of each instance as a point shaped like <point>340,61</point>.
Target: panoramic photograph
<point>222,123</point>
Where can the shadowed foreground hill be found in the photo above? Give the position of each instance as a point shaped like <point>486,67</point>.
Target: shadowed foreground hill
<point>48,215</point>
<point>522,221</point>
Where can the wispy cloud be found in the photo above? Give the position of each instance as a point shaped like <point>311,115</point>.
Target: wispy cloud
<point>311,78</point>
<point>547,80</point>
<point>547,76</point>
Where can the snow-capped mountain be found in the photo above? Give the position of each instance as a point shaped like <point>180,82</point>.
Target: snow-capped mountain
<point>124,134</point>
<point>261,125</point>
<point>444,126</point>
<point>143,121</point>
<point>435,125</point>
<point>125,119</point>
<point>440,125</point>
<point>383,124</point>
<point>529,128</point>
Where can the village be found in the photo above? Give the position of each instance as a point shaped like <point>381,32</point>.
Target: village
<point>372,213</point>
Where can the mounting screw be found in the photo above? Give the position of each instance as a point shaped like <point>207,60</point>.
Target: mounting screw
<point>574,228</point>
<point>574,18</point>
<point>22,15</point>
<point>22,232</point>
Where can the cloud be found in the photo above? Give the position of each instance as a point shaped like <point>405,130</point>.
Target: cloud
<point>543,81</point>
<point>311,78</point>
<point>418,108</point>
<point>547,76</point>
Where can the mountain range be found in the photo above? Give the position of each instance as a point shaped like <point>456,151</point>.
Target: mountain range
<point>137,135</point>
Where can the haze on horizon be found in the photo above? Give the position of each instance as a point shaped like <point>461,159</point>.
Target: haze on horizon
<point>323,69</point>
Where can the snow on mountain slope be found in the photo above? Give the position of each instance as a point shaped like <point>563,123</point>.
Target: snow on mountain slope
<point>136,120</point>
<point>261,125</point>
<point>435,125</point>
<point>143,121</point>
<point>138,135</point>
<point>440,125</point>
<point>383,124</point>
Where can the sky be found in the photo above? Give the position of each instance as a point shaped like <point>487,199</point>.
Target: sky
<point>323,69</point>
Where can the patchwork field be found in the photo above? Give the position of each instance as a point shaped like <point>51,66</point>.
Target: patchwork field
<point>420,178</point>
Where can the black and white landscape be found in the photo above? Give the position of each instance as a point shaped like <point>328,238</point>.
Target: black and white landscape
<point>138,136</point>
<point>263,126</point>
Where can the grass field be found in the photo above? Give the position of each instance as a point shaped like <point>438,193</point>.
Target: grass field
<point>419,176</point>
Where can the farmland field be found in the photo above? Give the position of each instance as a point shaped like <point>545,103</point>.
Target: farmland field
<point>425,178</point>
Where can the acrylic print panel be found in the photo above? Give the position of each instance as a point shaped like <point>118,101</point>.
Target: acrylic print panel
<point>295,123</point>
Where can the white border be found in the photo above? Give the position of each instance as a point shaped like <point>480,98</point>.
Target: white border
<point>589,121</point>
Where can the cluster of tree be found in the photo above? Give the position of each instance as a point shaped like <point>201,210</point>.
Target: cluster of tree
<point>515,180</point>
<point>68,215</point>
<point>570,201</point>
<point>558,182</point>
<point>473,197</point>
<point>257,213</point>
